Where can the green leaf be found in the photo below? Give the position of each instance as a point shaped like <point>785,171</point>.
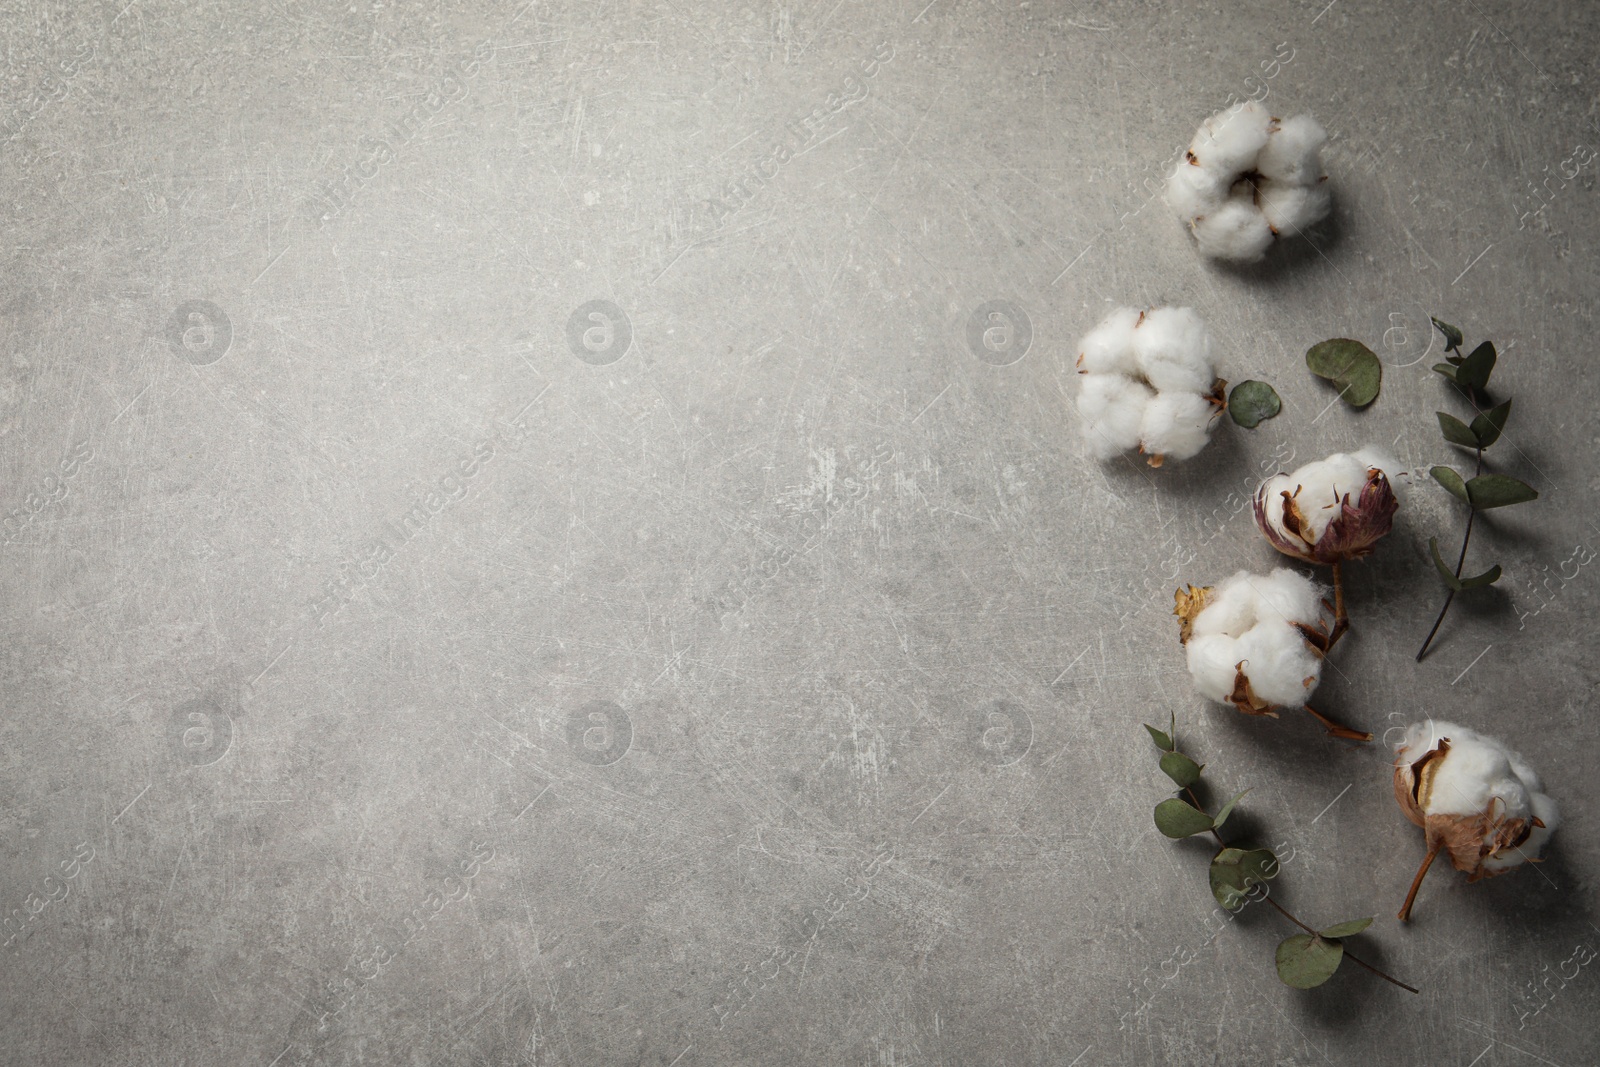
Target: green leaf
<point>1176,819</point>
<point>1456,432</point>
<point>1227,810</point>
<point>1305,962</point>
<point>1451,481</point>
<point>1351,366</point>
<point>1180,769</point>
<point>1445,572</point>
<point>1163,741</point>
<point>1487,426</point>
<point>1474,371</point>
<point>1498,490</point>
<point>1345,929</point>
<point>1488,577</point>
<point>1235,870</point>
<point>1452,336</point>
<point>1252,402</point>
<point>1446,369</point>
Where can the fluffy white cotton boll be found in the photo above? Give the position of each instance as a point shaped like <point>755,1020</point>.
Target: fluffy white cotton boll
<point>1177,425</point>
<point>1112,409</point>
<point>1331,510</point>
<point>1108,348</point>
<point>1248,178</point>
<point>1231,609</point>
<point>1477,776</point>
<point>1322,485</point>
<point>1230,140</point>
<point>1291,208</point>
<point>1475,771</point>
<point>1476,800</point>
<point>1125,362</point>
<point>1290,596</point>
<point>1280,665</point>
<point>1293,152</point>
<point>1251,619</point>
<point>1173,350</point>
<point>1213,665</point>
<point>1234,230</point>
<point>1193,190</point>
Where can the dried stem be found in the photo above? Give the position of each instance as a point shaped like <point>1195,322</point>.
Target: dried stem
<point>1341,621</point>
<point>1335,729</point>
<point>1416,883</point>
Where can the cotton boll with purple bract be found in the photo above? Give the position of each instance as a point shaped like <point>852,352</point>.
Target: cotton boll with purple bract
<point>1331,510</point>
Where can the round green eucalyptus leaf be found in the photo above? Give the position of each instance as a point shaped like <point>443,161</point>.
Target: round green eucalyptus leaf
<point>1305,962</point>
<point>1347,928</point>
<point>1175,818</point>
<point>1351,366</point>
<point>1252,403</point>
<point>1235,870</point>
<point>1180,769</point>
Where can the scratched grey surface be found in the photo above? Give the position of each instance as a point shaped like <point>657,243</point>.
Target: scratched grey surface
<point>409,660</point>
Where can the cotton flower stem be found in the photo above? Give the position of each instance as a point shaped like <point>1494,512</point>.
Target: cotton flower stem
<point>1335,729</point>
<point>1416,883</point>
<point>1341,621</point>
<point>1460,562</point>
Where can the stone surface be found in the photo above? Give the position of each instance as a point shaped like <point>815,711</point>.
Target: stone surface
<point>556,534</point>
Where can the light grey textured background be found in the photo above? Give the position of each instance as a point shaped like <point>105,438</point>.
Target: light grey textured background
<point>763,683</point>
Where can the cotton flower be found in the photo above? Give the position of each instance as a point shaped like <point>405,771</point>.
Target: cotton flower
<point>1474,798</point>
<point>1256,642</point>
<point>1329,511</point>
<point>1247,178</point>
<point>1148,383</point>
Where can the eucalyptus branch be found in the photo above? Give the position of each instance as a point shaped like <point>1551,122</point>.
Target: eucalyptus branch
<point>1470,374</point>
<point>1303,960</point>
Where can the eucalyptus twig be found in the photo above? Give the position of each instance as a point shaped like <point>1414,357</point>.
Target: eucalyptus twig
<point>1351,956</point>
<point>1303,960</point>
<point>1470,374</point>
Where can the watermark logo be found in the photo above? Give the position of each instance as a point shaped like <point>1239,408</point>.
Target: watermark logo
<point>999,333</point>
<point>599,333</point>
<point>200,332</point>
<point>202,733</point>
<point>1002,732</point>
<point>600,733</point>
